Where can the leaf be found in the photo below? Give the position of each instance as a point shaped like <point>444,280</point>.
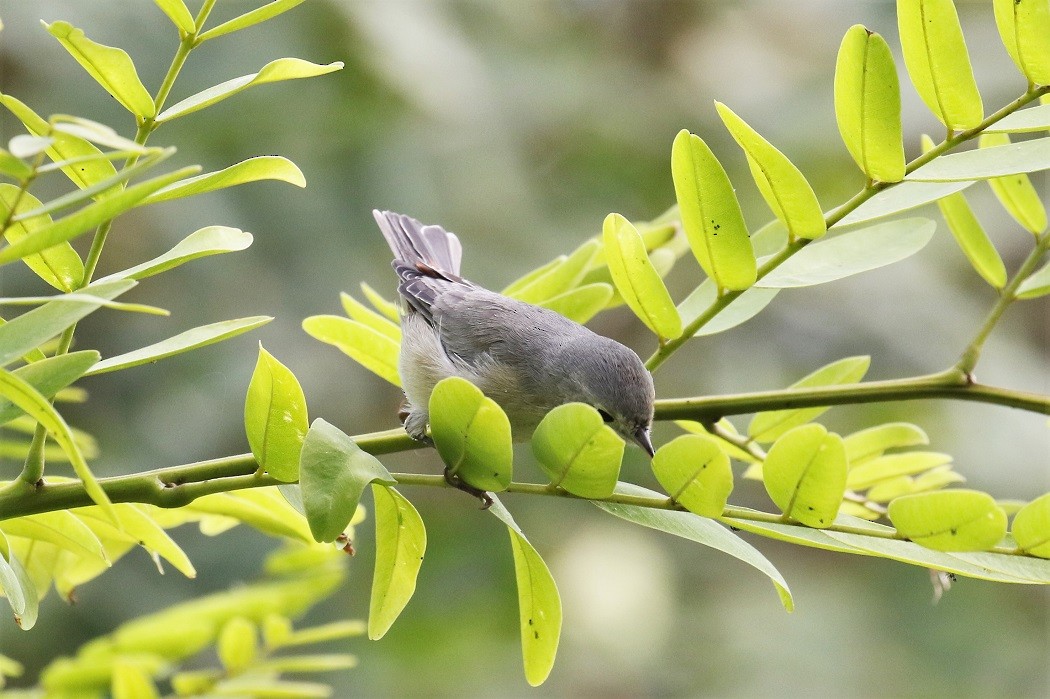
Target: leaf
<point>131,682</point>
<point>179,15</point>
<point>1016,193</point>
<point>33,328</point>
<point>248,19</point>
<point>275,418</point>
<point>211,240</point>
<point>309,663</point>
<point>986,163</point>
<point>88,217</point>
<point>936,58</point>
<point>111,67</point>
<point>401,541</point>
<point>868,104</point>
<point>472,434</point>
<point>805,475</point>
<point>333,472</point>
<point>366,316</point>
<point>98,133</point>
<point>192,339</point>
<point>694,470</point>
<point>870,472</point>
<point>711,216</point>
<point>970,235</point>
<point>699,529</point>
<point>578,451</point>
<point>949,520</point>
<point>59,266</point>
<point>769,426</point>
<point>1023,120</point>
<point>237,645</point>
<point>26,618</point>
<point>262,508</point>
<point>903,196</point>
<point>86,163</point>
<point>60,528</point>
<point>263,167</point>
<point>1023,26</point>
<point>781,184</point>
<point>143,530</point>
<point>637,280</point>
<point>274,71</point>
<point>1031,528</point>
<point>11,165</point>
<point>874,441</point>
<point>851,253</point>
<point>740,310</point>
<point>387,308</point>
<point>10,581</point>
<point>366,346</point>
<point>24,146</point>
<point>539,604</point>
<point>582,303</point>
<point>561,277</point>
<point>325,632</point>
<point>1036,285</point>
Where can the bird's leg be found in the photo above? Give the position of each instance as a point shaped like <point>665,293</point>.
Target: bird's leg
<point>415,422</point>
<point>455,481</point>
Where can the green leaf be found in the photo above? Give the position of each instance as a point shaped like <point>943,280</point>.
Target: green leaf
<point>333,631</point>
<point>262,508</point>
<point>26,618</point>
<point>10,581</point>
<point>1023,120</point>
<point>211,240</point>
<point>237,645</point>
<point>401,541</point>
<point>970,235</point>
<point>699,529</point>
<point>1031,528</point>
<point>694,470</point>
<point>949,520</point>
<point>309,663</point>
<point>248,19</point>
<point>1016,193</point>
<point>934,479</point>
<point>60,528</point>
<point>1036,285</point>
<point>88,217</point>
<point>986,163</point>
<point>98,133</point>
<point>740,310</point>
<point>936,58</point>
<point>637,281</point>
<point>263,167</point>
<point>131,682</point>
<point>86,163</point>
<point>179,15</point>
<point>111,67</point>
<point>711,214</point>
<point>871,471</point>
<point>805,475</point>
<point>874,441</point>
<point>851,253</point>
<point>539,604</point>
<point>29,400</point>
<point>13,166</point>
<point>143,530</point>
<point>59,266</point>
<point>333,472</point>
<point>366,346</point>
<point>387,308</point>
<point>868,104</point>
<point>192,339</point>
<point>578,450</point>
<point>770,426</point>
<point>903,196</point>
<point>275,418</point>
<point>274,71</point>
<point>1024,26</point>
<point>560,278</point>
<point>781,184</point>
<point>366,316</point>
<point>732,450</point>
<point>582,303</point>
<point>472,434</point>
<point>33,328</point>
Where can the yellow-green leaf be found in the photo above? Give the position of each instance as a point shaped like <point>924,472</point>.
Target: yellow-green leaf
<point>949,520</point>
<point>1016,193</point>
<point>111,67</point>
<point>637,281</point>
<point>401,541</point>
<point>211,240</point>
<point>578,450</point>
<point>251,18</point>
<point>711,216</point>
<point>1036,285</point>
<point>275,418</point>
<point>561,277</point>
<point>387,308</point>
<point>1024,26</point>
<point>582,303</point>
<point>472,434</point>
<point>936,58</point>
<point>694,470</point>
<point>366,316</point>
<point>868,104</point>
<point>179,15</point>
<point>263,167</point>
<point>237,645</point>
<point>872,471</point>
<point>805,475</point>
<point>1031,528</point>
<point>366,346</point>
<point>782,185</point>
<point>874,441</point>
<point>130,681</point>
<point>60,266</point>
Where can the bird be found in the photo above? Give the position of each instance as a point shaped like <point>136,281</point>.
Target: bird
<point>528,359</point>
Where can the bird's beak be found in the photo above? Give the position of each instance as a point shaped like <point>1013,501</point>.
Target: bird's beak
<point>645,441</point>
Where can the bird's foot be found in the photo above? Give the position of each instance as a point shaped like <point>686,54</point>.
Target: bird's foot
<point>456,482</point>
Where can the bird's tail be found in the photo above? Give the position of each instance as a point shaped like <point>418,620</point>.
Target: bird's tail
<point>420,247</point>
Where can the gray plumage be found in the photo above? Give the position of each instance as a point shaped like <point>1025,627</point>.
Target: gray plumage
<point>526,358</point>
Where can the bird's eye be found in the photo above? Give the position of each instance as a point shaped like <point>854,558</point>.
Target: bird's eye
<point>605,416</point>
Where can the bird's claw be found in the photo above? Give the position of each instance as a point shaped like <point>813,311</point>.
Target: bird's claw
<point>458,483</point>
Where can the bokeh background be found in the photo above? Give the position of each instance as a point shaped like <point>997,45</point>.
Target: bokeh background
<point>519,125</point>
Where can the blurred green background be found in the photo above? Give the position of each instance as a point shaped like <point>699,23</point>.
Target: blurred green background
<point>519,125</point>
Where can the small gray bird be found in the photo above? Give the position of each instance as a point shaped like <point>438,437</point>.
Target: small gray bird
<point>526,358</point>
